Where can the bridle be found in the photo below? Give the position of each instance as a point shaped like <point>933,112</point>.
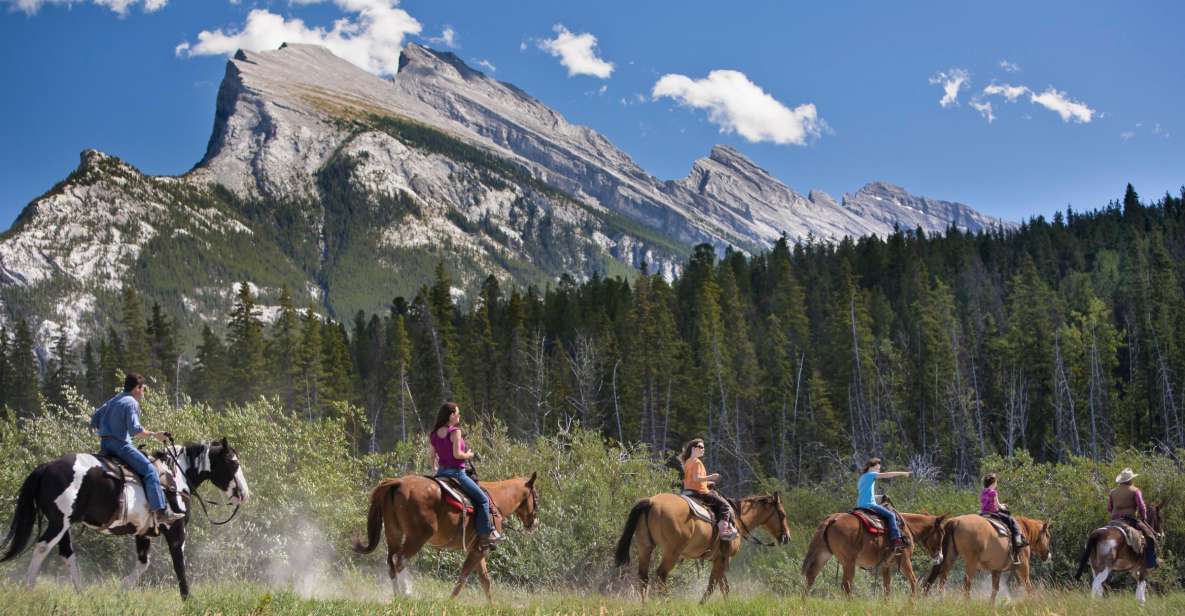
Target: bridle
<point>748,534</point>
<point>193,490</point>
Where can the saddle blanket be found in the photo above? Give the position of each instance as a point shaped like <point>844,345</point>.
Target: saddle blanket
<point>872,522</point>
<point>1131,535</point>
<point>698,509</point>
<point>131,512</point>
<point>1001,526</point>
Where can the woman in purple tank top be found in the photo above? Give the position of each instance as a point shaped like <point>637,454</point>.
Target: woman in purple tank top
<point>449,453</point>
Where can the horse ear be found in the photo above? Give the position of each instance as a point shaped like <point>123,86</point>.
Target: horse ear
<point>940,519</point>
<point>223,442</point>
<point>777,497</point>
<point>531,481</point>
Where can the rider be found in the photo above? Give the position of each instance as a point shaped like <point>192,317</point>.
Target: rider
<point>866,498</point>
<point>989,502</point>
<point>449,454</point>
<point>117,421</point>
<point>1126,503</point>
<point>696,479</point>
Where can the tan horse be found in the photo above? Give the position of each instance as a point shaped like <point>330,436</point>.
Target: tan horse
<point>665,521</point>
<point>844,536</point>
<point>1107,552</point>
<point>983,549</point>
<point>413,513</point>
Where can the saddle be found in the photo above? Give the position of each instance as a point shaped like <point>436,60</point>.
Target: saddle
<point>123,475</point>
<point>872,521</point>
<point>1132,535</point>
<point>455,497</point>
<point>1000,525</point>
<point>699,510</point>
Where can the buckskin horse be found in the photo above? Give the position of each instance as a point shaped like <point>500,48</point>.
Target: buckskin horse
<point>1107,552</point>
<point>413,512</point>
<point>844,536</point>
<point>666,521</point>
<point>76,488</point>
<point>983,548</point>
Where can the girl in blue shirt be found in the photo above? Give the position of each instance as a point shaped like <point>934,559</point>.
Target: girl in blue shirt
<point>866,497</point>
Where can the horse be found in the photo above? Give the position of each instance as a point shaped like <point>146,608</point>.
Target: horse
<point>844,536</point>
<point>75,488</point>
<point>412,511</point>
<point>983,548</point>
<point>1107,552</point>
<point>665,520</point>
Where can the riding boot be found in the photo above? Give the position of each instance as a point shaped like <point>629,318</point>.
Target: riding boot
<point>1150,554</point>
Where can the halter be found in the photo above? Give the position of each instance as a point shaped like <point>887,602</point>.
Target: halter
<point>200,500</point>
<point>748,534</point>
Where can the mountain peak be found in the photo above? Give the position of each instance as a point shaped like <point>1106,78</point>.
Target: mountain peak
<point>416,56</point>
<point>732,157</point>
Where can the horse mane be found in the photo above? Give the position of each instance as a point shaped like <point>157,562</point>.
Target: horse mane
<point>1030,526</point>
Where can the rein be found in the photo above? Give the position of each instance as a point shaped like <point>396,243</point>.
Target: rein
<point>748,534</point>
<point>200,500</point>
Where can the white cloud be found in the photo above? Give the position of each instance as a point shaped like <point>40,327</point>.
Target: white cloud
<point>636,99</point>
<point>984,108</point>
<point>448,38</point>
<point>1009,67</point>
<point>1063,105</point>
<point>371,39</point>
<point>119,7</point>
<point>486,64</point>
<point>1127,135</point>
<point>1011,93</point>
<point>577,52</point>
<point>738,105</point>
<point>952,81</point>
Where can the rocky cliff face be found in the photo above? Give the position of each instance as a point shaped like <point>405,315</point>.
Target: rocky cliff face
<point>347,189</point>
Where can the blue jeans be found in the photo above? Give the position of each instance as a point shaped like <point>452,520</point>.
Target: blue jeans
<point>889,517</point>
<point>139,463</point>
<point>485,525</point>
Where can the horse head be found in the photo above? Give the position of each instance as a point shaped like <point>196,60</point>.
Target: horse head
<point>1042,545</point>
<point>1156,518</point>
<point>218,463</point>
<point>932,536</point>
<point>528,509</point>
<point>774,517</point>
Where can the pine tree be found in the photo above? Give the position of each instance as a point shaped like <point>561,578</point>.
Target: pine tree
<point>283,352</point>
<point>25,395</point>
<point>337,372</point>
<point>162,338</point>
<point>308,361</point>
<point>5,369</point>
<point>137,352</point>
<point>245,352</point>
<point>92,385</point>
<point>398,390</point>
<point>60,373</point>
<point>210,382</point>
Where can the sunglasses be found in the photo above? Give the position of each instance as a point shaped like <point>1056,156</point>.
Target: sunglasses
<point>697,447</point>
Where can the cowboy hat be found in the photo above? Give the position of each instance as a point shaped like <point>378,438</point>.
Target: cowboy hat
<point>1126,476</point>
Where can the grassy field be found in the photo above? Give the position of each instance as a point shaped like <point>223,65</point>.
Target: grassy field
<point>211,600</point>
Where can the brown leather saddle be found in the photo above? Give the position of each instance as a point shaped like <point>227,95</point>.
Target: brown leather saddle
<point>123,475</point>
<point>999,524</point>
<point>455,497</point>
<point>699,510</point>
<point>1132,535</point>
<point>873,522</point>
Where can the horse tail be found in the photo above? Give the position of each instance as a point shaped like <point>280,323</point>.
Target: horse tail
<point>949,553</point>
<point>631,525</point>
<point>24,517</point>
<point>383,493</point>
<point>819,540</point>
<point>1084,560</point>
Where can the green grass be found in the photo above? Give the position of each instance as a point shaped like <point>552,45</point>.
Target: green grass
<point>373,599</point>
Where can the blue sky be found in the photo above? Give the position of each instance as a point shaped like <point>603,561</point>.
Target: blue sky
<point>108,74</point>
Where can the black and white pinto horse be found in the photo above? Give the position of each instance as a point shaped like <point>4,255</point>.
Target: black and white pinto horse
<point>75,488</point>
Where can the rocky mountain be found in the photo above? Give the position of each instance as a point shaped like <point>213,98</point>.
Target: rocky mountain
<point>348,188</point>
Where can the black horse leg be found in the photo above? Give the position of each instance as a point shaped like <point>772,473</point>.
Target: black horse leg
<point>142,546</point>
<point>67,551</point>
<point>175,535</point>
<point>54,531</point>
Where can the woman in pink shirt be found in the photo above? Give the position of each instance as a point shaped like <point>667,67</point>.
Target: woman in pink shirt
<point>989,502</point>
<point>450,453</point>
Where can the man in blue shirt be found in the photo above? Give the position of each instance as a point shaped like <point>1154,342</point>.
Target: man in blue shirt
<point>866,497</point>
<point>117,421</point>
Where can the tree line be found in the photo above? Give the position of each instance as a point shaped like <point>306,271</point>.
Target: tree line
<point>1062,337</point>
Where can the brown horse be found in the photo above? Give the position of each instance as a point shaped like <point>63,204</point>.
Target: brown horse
<point>665,521</point>
<point>1107,552</point>
<point>413,513</point>
<point>844,536</point>
<point>982,548</point>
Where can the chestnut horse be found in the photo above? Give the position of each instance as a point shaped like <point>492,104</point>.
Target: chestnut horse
<point>665,521</point>
<point>413,513</point>
<point>1107,552</point>
<point>844,536</point>
<point>983,549</point>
